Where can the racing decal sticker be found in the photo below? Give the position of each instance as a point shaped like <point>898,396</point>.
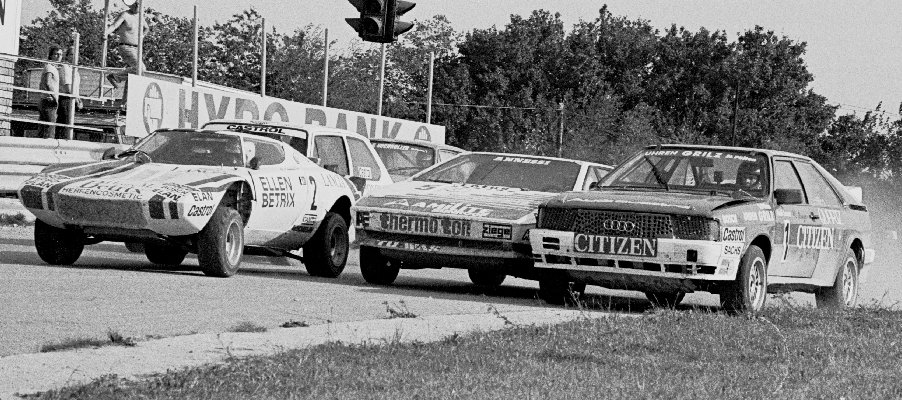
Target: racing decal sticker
<point>763,216</point>
<point>729,219</point>
<point>733,234</point>
<point>465,209</point>
<point>781,213</point>
<point>732,250</point>
<point>278,192</point>
<point>615,245</point>
<point>365,172</point>
<point>197,211</point>
<point>814,237</point>
<point>522,160</point>
<point>617,201</point>
<point>430,225</point>
<point>497,231</point>
<point>429,248</point>
<point>785,239</point>
<point>829,217</point>
<point>307,222</point>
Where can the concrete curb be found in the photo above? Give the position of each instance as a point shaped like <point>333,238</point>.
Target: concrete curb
<point>31,373</point>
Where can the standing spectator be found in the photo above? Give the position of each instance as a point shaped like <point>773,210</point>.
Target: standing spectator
<point>126,28</point>
<point>69,83</point>
<point>49,101</point>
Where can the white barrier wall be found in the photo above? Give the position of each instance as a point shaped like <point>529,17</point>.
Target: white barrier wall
<point>20,158</point>
<point>154,104</point>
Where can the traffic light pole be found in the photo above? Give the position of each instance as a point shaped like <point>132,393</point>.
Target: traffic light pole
<point>381,81</point>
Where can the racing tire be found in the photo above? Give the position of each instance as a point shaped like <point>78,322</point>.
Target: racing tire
<point>135,247</point>
<point>748,292</point>
<point>376,268</point>
<point>844,292</point>
<point>220,245</point>
<point>57,246</point>
<point>665,299</point>
<point>164,254</point>
<point>486,280</point>
<point>559,291</point>
<point>326,254</point>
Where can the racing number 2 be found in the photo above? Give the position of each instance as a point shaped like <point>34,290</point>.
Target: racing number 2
<point>313,202</point>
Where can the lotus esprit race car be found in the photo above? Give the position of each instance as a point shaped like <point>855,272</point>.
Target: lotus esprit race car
<point>217,194</point>
<point>739,222</point>
<point>472,212</point>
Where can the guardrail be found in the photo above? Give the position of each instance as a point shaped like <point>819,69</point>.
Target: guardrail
<point>20,158</point>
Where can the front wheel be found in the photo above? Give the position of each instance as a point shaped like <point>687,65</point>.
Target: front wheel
<point>220,244</point>
<point>665,299</point>
<point>376,268</point>
<point>844,292</point>
<point>57,246</point>
<point>748,292</point>
<point>164,254</point>
<point>326,253</point>
<point>486,280</point>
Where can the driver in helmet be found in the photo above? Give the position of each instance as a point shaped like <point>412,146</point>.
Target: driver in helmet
<point>748,176</point>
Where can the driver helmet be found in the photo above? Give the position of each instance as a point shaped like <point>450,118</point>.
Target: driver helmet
<point>749,175</point>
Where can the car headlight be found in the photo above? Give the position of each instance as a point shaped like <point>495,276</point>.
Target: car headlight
<point>714,230</point>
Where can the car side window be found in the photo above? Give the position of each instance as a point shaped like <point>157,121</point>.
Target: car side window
<point>446,155</point>
<point>267,153</point>
<point>593,175</point>
<point>365,164</point>
<point>331,151</point>
<point>785,176</point>
<point>819,191</point>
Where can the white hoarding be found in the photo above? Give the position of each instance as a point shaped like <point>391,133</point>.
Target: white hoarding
<point>154,104</point>
<point>10,15</point>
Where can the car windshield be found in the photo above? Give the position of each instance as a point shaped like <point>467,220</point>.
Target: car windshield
<point>192,148</point>
<point>733,173</point>
<point>527,173</point>
<point>405,159</point>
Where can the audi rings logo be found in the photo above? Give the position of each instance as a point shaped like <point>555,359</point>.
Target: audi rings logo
<point>618,226</point>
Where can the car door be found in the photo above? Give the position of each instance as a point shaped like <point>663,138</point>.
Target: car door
<point>794,255</point>
<point>331,152</point>
<point>827,207</point>
<point>280,196</point>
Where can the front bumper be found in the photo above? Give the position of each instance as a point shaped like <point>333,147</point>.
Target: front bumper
<point>674,258</point>
<point>417,247</point>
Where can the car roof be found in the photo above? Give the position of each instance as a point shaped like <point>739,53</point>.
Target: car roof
<point>768,152</point>
<point>418,143</point>
<point>282,124</point>
<point>581,162</point>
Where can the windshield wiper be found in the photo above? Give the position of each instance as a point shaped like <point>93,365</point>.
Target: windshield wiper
<point>440,180</point>
<point>656,173</point>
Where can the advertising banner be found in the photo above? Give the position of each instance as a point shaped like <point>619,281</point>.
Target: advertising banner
<point>10,16</point>
<point>154,104</point>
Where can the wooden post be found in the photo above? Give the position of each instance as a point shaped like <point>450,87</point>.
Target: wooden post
<point>140,41</point>
<point>70,133</point>
<point>326,67</point>
<point>106,39</point>
<point>429,89</point>
<point>196,44</point>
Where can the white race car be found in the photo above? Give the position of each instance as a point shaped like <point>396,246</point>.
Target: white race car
<point>217,194</point>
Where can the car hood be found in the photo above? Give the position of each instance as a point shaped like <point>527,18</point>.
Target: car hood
<point>455,199</point>
<point>649,201</point>
<point>128,173</point>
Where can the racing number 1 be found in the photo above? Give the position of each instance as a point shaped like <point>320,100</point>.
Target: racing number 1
<point>313,202</point>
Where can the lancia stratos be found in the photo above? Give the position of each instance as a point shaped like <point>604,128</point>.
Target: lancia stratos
<point>470,212</point>
<point>738,222</point>
<point>217,194</point>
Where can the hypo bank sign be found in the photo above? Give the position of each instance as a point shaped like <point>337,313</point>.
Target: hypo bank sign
<point>154,104</point>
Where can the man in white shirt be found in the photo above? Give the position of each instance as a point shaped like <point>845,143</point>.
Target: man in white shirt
<point>47,107</point>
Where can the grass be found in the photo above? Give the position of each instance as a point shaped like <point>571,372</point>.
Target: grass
<point>13,219</point>
<point>785,353</point>
<point>248,326</point>
<point>398,310</point>
<point>113,339</point>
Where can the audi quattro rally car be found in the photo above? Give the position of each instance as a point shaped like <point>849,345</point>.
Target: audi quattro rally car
<point>738,222</point>
<point>341,151</point>
<point>217,194</point>
<point>470,212</point>
<point>404,158</point>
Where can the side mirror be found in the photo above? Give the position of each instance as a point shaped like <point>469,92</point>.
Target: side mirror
<point>254,163</point>
<point>331,167</point>
<point>315,160</point>
<point>110,154</point>
<point>593,186</point>
<point>788,196</point>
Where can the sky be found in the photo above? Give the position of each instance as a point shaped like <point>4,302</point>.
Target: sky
<point>853,46</point>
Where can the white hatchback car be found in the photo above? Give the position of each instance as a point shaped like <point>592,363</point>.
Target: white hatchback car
<point>341,151</point>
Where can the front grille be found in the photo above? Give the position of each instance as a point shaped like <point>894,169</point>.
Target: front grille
<point>106,212</point>
<point>643,225</point>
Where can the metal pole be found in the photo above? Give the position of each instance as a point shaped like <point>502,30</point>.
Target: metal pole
<point>70,133</point>
<point>326,67</point>
<point>196,44</point>
<point>381,81</point>
<point>106,39</point>
<point>263,64</point>
<point>560,136</point>
<point>429,89</point>
<point>140,40</point>
<point>735,114</point>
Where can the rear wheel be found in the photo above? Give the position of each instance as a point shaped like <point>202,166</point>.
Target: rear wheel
<point>558,290</point>
<point>376,268</point>
<point>749,291</point>
<point>135,247</point>
<point>220,244</point>
<point>486,280</point>
<point>164,254</point>
<point>327,251</point>
<point>57,246</point>
<point>665,299</point>
<point>844,292</point>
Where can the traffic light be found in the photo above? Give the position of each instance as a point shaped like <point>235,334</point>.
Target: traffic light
<point>378,20</point>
